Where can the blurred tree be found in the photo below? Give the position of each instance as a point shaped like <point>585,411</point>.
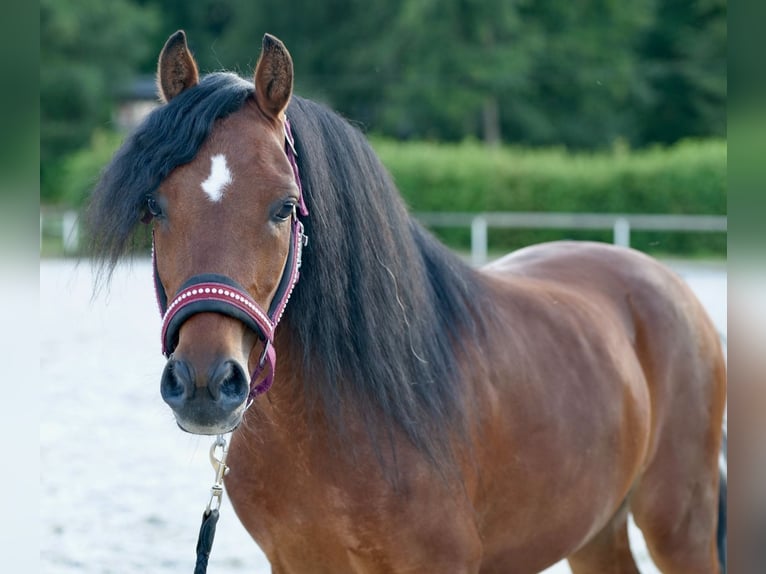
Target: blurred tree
<point>684,59</point>
<point>583,73</point>
<point>455,63</point>
<point>404,67</point>
<point>208,24</point>
<point>88,48</point>
<point>338,46</point>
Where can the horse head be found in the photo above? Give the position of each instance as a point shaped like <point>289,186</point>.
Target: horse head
<point>227,242</point>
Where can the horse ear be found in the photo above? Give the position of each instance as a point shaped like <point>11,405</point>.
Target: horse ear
<point>176,69</point>
<point>273,77</point>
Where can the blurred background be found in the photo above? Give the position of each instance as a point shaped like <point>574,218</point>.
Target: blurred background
<point>585,106</point>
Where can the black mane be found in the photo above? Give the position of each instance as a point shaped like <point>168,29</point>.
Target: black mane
<point>381,306</point>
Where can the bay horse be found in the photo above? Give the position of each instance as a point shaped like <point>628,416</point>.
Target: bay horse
<point>408,413</point>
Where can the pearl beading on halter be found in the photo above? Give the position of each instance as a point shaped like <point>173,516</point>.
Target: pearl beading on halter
<point>204,292</point>
<point>219,291</point>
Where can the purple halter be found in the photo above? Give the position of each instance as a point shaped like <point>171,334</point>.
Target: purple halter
<point>213,293</point>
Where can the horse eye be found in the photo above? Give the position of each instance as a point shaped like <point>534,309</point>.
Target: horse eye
<point>153,207</point>
<point>285,211</point>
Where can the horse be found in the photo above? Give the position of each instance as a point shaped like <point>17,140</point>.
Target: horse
<point>392,408</point>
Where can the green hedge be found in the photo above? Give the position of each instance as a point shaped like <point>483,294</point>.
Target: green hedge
<point>688,178</point>
<point>78,172</point>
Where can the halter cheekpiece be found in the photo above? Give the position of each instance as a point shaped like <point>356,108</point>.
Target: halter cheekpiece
<point>213,293</point>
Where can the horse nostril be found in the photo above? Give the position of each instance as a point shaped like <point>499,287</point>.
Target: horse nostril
<point>229,384</point>
<point>177,383</point>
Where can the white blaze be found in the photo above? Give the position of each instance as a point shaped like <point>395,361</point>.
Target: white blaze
<point>219,178</point>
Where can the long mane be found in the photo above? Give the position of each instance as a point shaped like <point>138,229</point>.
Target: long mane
<point>381,307</point>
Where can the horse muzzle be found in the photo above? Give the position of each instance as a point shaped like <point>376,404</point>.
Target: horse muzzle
<point>206,403</point>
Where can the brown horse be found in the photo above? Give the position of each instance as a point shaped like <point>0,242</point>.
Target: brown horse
<point>424,416</point>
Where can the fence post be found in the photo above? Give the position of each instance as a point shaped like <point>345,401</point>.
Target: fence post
<point>622,232</point>
<point>479,240</point>
<point>70,231</point>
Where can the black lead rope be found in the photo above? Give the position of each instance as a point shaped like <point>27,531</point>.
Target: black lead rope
<point>205,540</point>
<point>210,516</point>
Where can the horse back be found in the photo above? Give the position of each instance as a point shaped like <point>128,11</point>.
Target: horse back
<point>668,328</point>
<point>673,338</point>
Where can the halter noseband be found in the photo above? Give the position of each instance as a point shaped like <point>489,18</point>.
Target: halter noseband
<point>213,293</point>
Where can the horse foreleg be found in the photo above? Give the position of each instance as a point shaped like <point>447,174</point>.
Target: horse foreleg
<point>608,552</point>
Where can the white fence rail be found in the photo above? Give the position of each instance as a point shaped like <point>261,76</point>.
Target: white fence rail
<point>620,224</point>
<point>64,225</point>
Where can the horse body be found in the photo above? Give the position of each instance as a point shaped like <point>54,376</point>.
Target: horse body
<point>638,371</point>
<point>425,416</point>
<point>541,428</point>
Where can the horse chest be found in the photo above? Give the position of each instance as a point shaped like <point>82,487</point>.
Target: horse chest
<point>309,519</point>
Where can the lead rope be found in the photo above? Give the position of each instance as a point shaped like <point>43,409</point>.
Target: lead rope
<point>210,516</point>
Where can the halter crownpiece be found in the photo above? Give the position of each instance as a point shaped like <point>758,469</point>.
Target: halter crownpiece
<point>213,293</point>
